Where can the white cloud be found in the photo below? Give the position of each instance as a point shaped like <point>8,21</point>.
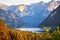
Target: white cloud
<point>16,2</point>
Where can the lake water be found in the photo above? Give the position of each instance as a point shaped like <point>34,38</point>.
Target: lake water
<point>31,29</point>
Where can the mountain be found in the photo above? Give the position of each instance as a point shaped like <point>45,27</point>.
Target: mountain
<point>53,20</point>
<point>2,6</point>
<point>32,13</point>
<point>21,7</point>
<point>28,14</point>
<point>11,18</point>
<point>38,11</point>
<point>53,5</point>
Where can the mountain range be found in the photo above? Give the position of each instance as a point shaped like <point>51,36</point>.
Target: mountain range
<point>27,16</point>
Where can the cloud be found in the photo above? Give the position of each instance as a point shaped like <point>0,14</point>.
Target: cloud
<point>16,2</point>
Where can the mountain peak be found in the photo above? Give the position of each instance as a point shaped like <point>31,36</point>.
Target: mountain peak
<point>21,7</point>
<point>3,6</point>
<point>53,5</point>
<point>43,1</point>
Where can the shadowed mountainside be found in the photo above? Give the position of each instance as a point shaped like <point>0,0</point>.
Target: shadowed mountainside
<point>53,19</point>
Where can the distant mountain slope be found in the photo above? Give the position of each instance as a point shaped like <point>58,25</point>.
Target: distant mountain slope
<point>3,6</point>
<point>37,11</point>
<point>11,18</point>
<point>53,19</point>
<point>30,15</point>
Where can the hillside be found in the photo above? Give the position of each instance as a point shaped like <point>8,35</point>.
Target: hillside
<point>53,19</point>
<point>11,19</point>
<point>7,33</point>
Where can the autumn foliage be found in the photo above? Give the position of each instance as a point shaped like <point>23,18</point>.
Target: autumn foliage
<point>7,33</point>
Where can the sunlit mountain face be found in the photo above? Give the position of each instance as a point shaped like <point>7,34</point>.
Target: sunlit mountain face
<point>53,5</point>
<point>27,16</point>
<point>21,7</point>
<point>2,6</point>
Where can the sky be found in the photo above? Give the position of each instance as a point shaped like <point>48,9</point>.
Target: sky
<point>16,2</point>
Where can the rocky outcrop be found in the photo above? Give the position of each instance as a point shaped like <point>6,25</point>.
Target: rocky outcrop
<point>53,5</point>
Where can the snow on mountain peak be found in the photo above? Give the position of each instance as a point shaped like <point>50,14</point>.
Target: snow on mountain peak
<point>21,7</point>
<point>3,6</point>
<point>53,5</point>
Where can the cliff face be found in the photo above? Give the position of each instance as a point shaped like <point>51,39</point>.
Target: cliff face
<point>53,19</point>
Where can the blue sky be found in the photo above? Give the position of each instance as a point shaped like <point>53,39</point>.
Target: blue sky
<point>16,2</point>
